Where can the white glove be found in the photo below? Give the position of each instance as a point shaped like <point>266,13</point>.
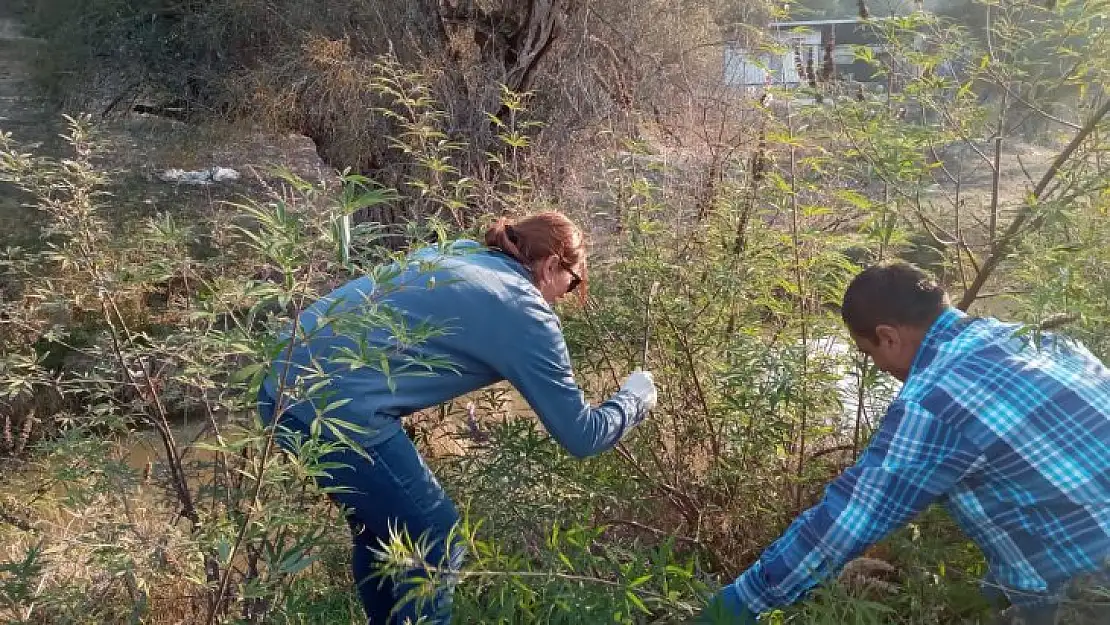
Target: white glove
<point>642,385</point>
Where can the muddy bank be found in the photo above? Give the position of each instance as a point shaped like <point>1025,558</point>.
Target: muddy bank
<point>136,149</point>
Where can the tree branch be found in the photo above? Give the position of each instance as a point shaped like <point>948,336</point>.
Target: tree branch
<point>1002,247</point>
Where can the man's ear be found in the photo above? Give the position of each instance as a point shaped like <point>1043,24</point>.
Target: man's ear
<point>887,335</point>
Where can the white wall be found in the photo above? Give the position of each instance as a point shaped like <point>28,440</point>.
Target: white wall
<point>774,66</point>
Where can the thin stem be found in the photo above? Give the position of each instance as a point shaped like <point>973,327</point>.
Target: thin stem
<point>679,499</point>
<point>996,171</point>
<point>799,283</point>
<point>860,396</point>
<point>259,481</point>
<point>173,457</point>
<point>688,353</point>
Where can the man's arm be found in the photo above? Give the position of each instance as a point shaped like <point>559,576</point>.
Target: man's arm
<point>913,458</point>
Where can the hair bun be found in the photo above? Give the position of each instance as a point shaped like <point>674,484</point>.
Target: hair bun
<point>538,237</point>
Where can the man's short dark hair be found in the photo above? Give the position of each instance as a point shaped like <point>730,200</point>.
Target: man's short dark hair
<point>893,293</point>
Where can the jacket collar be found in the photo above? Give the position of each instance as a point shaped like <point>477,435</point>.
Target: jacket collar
<point>513,263</point>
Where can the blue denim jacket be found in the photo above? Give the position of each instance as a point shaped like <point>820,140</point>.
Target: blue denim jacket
<point>489,323</point>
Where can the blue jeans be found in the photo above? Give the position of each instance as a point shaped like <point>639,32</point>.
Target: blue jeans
<point>394,488</point>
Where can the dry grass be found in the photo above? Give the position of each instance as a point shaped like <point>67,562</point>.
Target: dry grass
<point>122,552</point>
<point>104,553</point>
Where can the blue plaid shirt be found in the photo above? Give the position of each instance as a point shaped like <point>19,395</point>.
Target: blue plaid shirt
<point>1011,434</point>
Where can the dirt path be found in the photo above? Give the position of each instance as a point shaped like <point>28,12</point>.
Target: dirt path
<point>23,115</point>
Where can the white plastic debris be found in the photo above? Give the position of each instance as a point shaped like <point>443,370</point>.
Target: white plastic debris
<point>224,174</point>
<point>203,176</point>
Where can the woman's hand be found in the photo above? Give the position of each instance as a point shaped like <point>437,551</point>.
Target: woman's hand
<point>642,385</point>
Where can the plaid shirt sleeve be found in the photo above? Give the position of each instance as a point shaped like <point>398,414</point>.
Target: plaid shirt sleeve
<point>912,459</point>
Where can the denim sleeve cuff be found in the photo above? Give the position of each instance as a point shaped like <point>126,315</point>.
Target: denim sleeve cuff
<point>754,592</point>
<point>631,406</point>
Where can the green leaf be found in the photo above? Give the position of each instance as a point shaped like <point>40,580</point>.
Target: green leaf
<point>296,562</point>
<point>636,601</point>
<point>246,373</point>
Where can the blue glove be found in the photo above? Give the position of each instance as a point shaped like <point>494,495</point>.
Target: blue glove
<point>726,608</point>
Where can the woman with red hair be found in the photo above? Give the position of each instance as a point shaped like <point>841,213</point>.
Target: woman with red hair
<point>491,307</point>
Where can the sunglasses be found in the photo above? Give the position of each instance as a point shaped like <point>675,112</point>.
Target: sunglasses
<point>575,279</point>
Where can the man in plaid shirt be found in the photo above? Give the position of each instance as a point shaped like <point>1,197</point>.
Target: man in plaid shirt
<point>1009,430</point>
